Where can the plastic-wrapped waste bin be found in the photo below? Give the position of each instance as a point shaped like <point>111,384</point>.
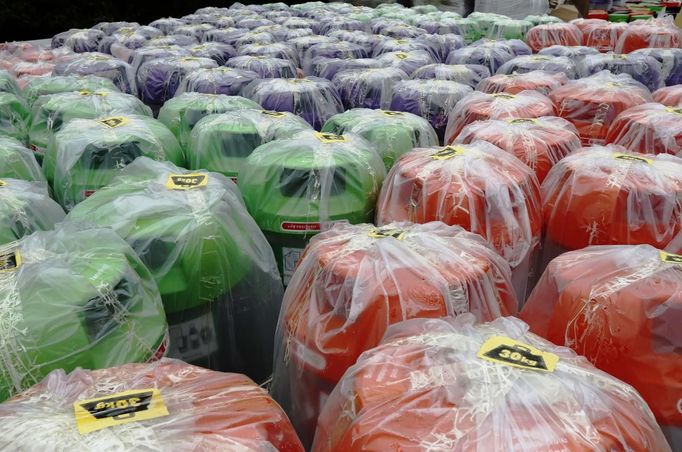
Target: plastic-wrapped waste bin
<point>509,29</point>
<point>328,67</point>
<point>649,129</point>
<point>449,384</point>
<point>222,142</point>
<point>491,54</point>
<point>41,86</point>
<point>671,63</point>
<point>180,406</point>
<point>280,50</point>
<point>353,282</point>
<point>8,84</point>
<point>140,56</point>
<point>367,88</point>
<point>659,33</point>
<point>216,273</point>
<point>15,116</point>
<point>299,186</point>
<point>79,40</point>
<point>670,96</point>
<point>101,65</point>
<point>575,53</point>
<point>75,297</point>
<point>643,68</point>
<point>17,161</point>
<point>549,35</point>
<point>620,307</point>
<point>540,81</point>
<point>334,49</point>
<point>528,63</point>
<point>406,61</point>
<point>603,36</point>
<point>467,74</point>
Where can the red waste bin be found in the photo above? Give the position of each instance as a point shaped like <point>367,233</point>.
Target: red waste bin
<point>648,129</point>
<point>563,34</point>
<point>541,81</point>
<point>657,33</point>
<point>670,96</point>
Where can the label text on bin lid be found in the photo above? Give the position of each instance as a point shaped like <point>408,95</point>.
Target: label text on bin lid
<point>510,352</point>
<point>186,181</point>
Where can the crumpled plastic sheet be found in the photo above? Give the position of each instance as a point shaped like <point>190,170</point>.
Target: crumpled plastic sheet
<point>425,388</point>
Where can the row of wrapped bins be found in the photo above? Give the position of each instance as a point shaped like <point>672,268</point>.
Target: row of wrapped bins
<point>17,161</point>
<point>158,79</point>
<point>101,65</point>
<point>592,103</point>
<point>477,186</point>
<point>648,129</point>
<point>353,282</point>
<point>312,98</point>
<point>52,112</point>
<point>393,133</point>
<point>8,84</point>
<point>26,207</point>
<point>222,142</point>
<point>79,40</point>
<point>280,50</point>
<point>657,33</point>
<point>480,106</point>
<point>15,116</point>
<point>334,49</point>
<point>206,410</point>
<point>367,88</point>
<point>215,271</point>
<point>575,53</point>
<point>548,35</point>
<point>86,154</point>
<point>264,67</point>
<point>540,81</point>
<point>491,54</point>
<point>429,385</point>
<point>467,74</point>
<point>643,68</point>
<point>671,63</point>
<point>670,96</point>
<point>430,99</point>
<point>539,143</point>
<point>181,113</point>
<point>219,80</point>
<point>607,196</point>
<point>75,297</point>
<point>527,63</point>
<point>298,186</point>
<point>328,67</point>
<point>626,326</point>
<point>41,86</point>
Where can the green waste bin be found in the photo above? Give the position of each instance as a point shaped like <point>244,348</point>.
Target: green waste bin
<point>222,142</point>
<point>26,207</point>
<point>8,84</point>
<point>14,116</point>
<point>392,132</point>
<point>17,161</point>
<point>297,187</point>
<point>181,113</point>
<point>87,153</point>
<point>51,112</point>
<point>42,86</point>
<point>215,270</point>
<point>74,297</point>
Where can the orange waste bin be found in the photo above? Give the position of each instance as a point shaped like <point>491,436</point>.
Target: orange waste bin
<point>541,81</point>
<point>649,129</point>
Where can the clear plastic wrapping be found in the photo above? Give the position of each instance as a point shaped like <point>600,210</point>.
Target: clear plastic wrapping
<point>206,411</point>
<point>15,116</point>
<point>509,29</point>
<point>575,53</point>
<point>110,28</point>
<point>86,154</point>
<point>549,35</point>
<point>592,103</point>
<point>328,67</point>
<point>491,54</point>
<point>53,111</point>
<point>25,207</point>
<point>542,20</point>
<point>477,186</point>
<point>17,161</point>
<point>430,99</point>
<point>195,30</point>
<point>222,142</point>
<point>441,45</point>
<point>527,63</point>
<point>101,65</point>
<point>159,79</point>
<point>471,32</point>
<point>226,35</point>
<point>467,74</point>
<point>404,45</point>
<point>541,81</point>
<point>671,63</point>
<point>406,61</point>
<point>626,326</point>
<point>264,67</point>
<point>334,49</point>
<point>649,129</point>
<point>217,51</point>
<point>426,387</point>
<point>392,132</point>
<point>643,68</point>
<point>366,40</point>
<point>659,33</point>
<point>41,86</point>
<point>367,88</point>
<point>353,282</point>
<point>79,40</point>
<point>296,187</point>
<point>215,270</point>
<point>167,24</point>
<point>8,84</point>
<point>314,99</point>
<point>607,196</point>
<point>283,51</point>
<point>670,96</point>
<point>306,42</point>
<point>539,143</point>
<point>75,297</point>
<point>602,35</point>
<point>516,9</point>
<point>220,80</point>
<point>181,113</point>
<point>480,106</point>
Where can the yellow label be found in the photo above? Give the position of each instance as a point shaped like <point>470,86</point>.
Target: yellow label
<point>186,181</point>
<point>188,58</point>
<point>116,409</point>
<point>273,114</point>
<point>392,113</point>
<point>2,183</point>
<point>503,96</point>
<point>671,258</point>
<point>614,84</point>
<point>677,111</point>
<point>522,121</point>
<point>382,233</point>
<point>330,137</point>
<point>632,158</point>
<point>10,260</point>
<point>114,121</point>
<point>85,92</point>
<point>509,352</point>
<point>401,55</point>
<point>401,41</point>
<point>541,58</point>
<point>448,152</point>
